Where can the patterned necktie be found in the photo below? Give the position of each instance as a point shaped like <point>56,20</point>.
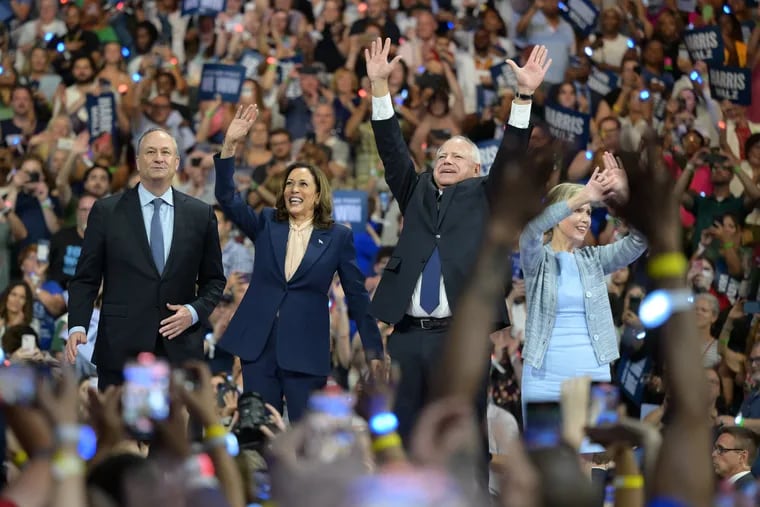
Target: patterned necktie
<point>157,235</point>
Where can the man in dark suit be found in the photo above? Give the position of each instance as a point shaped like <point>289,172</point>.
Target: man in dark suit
<point>444,213</point>
<point>733,453</point>
<point>157,253</point>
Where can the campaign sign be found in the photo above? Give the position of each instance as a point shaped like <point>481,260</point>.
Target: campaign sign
<point>602,82</point>
<point>731,83</point>
<point>220,79</point>
<point>581,14</point>
<point>567,125</point>
<point>251,60</point>
<point>487,151</point>
<point>101,112</point>
<point>686,5</point>
<point>705,44</point>
<point>350,206</point>
<point>203,7</point>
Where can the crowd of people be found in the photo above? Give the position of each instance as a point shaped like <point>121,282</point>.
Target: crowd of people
<point>531,313</point>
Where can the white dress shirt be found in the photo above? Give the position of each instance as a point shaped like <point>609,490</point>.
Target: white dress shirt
<point>382,109</point>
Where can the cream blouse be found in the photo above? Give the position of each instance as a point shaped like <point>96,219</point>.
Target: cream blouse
<point>298,240</point>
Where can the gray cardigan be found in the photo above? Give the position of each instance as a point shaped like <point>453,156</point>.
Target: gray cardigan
<point>540,265</point>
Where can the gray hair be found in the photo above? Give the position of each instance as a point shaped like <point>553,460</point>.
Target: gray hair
<point>714,304</point>
<point>157,129</point>
<point>474,151</point>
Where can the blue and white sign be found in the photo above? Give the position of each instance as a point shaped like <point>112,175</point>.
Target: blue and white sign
<point>251,60</point>
<point>204,7</point>
<point>101,112</point>
<point>487,151</point>
<point>503,77</point>
<point>602,82</point>
<point>731,83</point>
<point>705,44</point>
<point>350,206</point>
<point>220,79</point>
<point>567,125</point>
<point>582,14</point>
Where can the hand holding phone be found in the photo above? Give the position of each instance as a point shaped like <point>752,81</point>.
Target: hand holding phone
<point>543,424</point>
<point>145,397</point>
<point>603,404</point>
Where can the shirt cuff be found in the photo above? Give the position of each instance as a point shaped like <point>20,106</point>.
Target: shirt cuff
<point>519,116</point>
<point>382,107</point>
<point>76,329</point>
<point>193,313</point>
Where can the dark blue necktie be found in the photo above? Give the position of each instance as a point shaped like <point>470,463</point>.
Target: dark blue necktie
<point>431,283</point>
<point>157,235</point>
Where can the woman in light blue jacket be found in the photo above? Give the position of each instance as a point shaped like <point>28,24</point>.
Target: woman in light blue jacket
<point>569,330</point>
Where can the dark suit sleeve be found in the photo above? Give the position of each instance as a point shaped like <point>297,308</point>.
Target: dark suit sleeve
<point>84,286</point>
<point>399,168</point>
<point>513,146</point>
<point>230,201</point>
<point>211,278</point>
<point>357,298</point>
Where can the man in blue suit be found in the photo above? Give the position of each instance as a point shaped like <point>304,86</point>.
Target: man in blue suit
<point>281,330</point>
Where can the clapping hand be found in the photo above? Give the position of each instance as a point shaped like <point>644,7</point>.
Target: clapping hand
<point>531,75</point>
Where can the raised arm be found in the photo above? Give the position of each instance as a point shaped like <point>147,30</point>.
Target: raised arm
<point>230,201</point>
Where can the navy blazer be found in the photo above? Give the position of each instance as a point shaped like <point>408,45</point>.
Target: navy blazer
<point>303,329</point>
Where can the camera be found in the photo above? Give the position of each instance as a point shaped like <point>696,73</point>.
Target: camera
<point>252,415</point>
<point>34,177</point>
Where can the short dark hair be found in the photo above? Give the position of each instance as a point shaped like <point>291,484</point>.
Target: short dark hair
<point>95,167</point>
<point>323,210</point>
<point>751,142</point>
<point>280,131</point>
<point>745,439</point>
<point>12,338</point>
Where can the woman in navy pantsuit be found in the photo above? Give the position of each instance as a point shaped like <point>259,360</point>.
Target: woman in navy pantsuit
<point>281,330</point>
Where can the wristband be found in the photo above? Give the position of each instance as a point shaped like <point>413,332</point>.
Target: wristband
<point>253,187</point>
<point>20,458</point>
<point>66,465</point>
<point>728,244</point>
<point>658,306</point>
<point>383,423</point>
<point>213,432</point>
<point>739,420</point>
<point>668,265</point>
<point>523,96</point>
<point>68,434</point>
<point>629,482</point>
<point>737,169</point>
<point>47,203</point>
<point>389,441</point>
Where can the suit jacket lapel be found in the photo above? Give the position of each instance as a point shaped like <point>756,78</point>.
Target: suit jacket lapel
<point>446,198</point>
<point>179,221</point>
<point>430,205</point>
<point>279,235</point>
<point>136,220</point>
<point>318,244</point>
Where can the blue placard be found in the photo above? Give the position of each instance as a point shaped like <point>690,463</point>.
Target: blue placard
<point>203,7</point>
<point>502,76</point>
<point>101,112</point>
<point>603,82</point>
<point>581,14</point>
<point>567,125</point>
<point>6,13</point>
<point>731,83</point>
<point>705,44</point>
<point>350,206</point>
<point>487,151</point>
<point>631,375</point>
<point>285,65</point>
<point>251,60</point>
<point>220,79</point>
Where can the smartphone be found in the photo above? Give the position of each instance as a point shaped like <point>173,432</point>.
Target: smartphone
<point>65,144</point>
<point>17,384</point>
<point>94,382</point>
<point>385,199</point>
<point>751,307</point>
<point>43,251</point>
<point>145,397</point>
<point>543,424</point>
<point>517,273</point>
<point>634,302</point>
<point>28,342</point>
<point>604,399</point>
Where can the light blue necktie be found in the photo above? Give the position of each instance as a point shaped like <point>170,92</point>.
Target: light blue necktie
<point>157,235</point>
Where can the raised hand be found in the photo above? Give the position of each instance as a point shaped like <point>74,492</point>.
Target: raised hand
<point>378,66</point>
<point>531,75</point>
<point>597,186</point>
<point>241,124</point>
<point>616,180</point>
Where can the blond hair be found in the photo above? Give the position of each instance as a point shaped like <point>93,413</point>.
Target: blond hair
<point>562,192</point>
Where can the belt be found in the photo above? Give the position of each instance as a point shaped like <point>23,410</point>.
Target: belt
<point>423,323</point>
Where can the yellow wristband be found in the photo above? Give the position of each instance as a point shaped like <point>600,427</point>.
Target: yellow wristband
<point>66,464</point>
<point>213,432</point>
<point>629,482</point>
<point>728,244</point>
<point>389,441</point>
<point>20,458</point>
<point>668,265</point>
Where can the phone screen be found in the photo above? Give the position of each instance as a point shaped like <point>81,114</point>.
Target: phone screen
<point>28,342</point>
<point>543,424</point>
<point>43,251</point>
<point>17,384</point>
<point>634,302</point>
<point>145,397</point>
<point>603,400</point>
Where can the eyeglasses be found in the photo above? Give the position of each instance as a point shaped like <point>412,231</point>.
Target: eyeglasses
<point>754,359</point>
<point>719,449</point>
